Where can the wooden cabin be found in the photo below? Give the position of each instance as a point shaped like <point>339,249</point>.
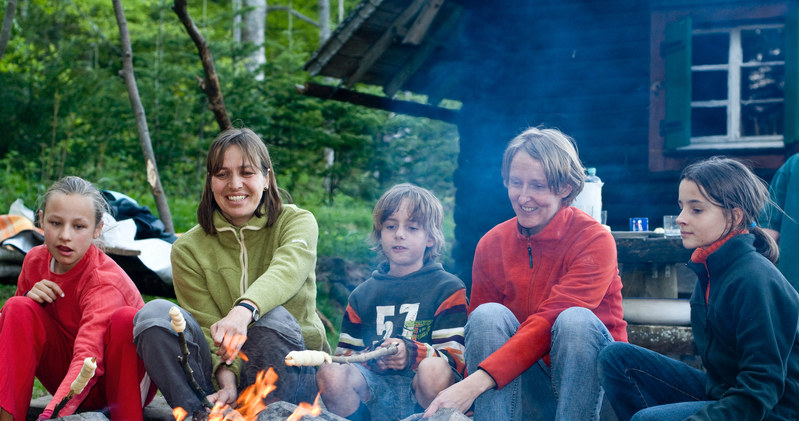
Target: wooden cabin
<point>644,87</point>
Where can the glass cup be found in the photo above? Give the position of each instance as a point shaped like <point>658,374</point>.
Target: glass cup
<point>670,227</point>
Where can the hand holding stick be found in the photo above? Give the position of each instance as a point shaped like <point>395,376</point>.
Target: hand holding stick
<point>315,358</point>
<point>77,386</point>
<point>179,325</point>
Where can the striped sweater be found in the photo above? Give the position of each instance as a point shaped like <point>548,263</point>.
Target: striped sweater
<point>426,308</point>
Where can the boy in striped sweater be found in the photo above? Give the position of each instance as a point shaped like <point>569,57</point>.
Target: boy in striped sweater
<point>411,301</point>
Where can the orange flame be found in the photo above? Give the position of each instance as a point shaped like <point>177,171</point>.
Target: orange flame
<point>251,402</point>
<point>179,413</point>
<point>304,408</point>
<point>243,356</point>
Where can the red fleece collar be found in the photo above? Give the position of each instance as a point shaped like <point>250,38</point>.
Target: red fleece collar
<point>700,254</point>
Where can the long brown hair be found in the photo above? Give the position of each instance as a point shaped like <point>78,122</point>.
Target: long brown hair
<point>730,184</point>
<point>256,153</point>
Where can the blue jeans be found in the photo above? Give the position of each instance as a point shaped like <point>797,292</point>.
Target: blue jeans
<point>567,391</point>
<point>391,396</point>
<point>644,385</point>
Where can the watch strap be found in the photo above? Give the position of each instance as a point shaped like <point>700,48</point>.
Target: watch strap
<point>251,308</point>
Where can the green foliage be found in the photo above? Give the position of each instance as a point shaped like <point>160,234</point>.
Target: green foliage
<point>65,110</point>
<point>344,230</point>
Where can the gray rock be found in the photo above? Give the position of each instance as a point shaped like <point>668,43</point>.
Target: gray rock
<point>445,414</point>
<point>279,411</point>
<point>85,416</point>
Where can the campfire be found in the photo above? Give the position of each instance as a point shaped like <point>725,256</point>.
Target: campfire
<point>251,402</point>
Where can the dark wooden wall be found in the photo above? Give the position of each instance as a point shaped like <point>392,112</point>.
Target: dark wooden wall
<point>579,66</point>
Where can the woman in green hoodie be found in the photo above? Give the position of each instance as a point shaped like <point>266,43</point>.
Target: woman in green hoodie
<point>245,281</point>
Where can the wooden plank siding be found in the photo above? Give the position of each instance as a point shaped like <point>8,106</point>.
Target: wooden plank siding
<point>582,67</point>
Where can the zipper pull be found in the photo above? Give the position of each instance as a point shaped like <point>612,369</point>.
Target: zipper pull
<point>530,253</point>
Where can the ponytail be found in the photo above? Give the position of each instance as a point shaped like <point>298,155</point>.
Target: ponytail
<point>765,245</point>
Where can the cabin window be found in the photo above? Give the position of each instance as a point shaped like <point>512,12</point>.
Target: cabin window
<point>737,83</point>
<point>725,86</point>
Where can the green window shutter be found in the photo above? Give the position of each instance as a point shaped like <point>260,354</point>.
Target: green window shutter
<point>791,105</point>
<point>676,51</point>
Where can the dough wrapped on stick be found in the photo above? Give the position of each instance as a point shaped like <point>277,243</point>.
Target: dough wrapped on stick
<point>86,374</point>
<point>316,358</point>
<point>80,382</point>
<point>308,357</point>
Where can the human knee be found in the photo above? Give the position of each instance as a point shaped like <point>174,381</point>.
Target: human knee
<point>647,415</point>
<point>16,304</point>
<point>23,312</point>
<point>574,317</point>
<point>434,372</point>
<point>277,324</point>
<point>331,377</point>
<point>120,324</point>
<point>487,316</point>
<point>155,309</point>
<point>610,356</point>
<point>577,321</point>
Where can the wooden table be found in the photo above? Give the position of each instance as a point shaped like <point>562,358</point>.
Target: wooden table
<point>648,263</point>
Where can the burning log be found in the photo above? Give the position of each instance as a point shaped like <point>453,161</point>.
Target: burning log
<point>315,358</point>
<point>77,386</point>
<point>179,325</point>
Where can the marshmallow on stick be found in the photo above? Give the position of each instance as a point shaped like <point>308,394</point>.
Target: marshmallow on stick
<point>315,358</point>
<point>86,373</point>
<point>178,323</point>
<point>308,357</point>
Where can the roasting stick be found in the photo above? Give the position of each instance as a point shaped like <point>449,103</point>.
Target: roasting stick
<point>315,358</point>
<point>179,325</point>
<point>77,386</point>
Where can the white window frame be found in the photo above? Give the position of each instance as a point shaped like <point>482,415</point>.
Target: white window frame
<point>733,138</point>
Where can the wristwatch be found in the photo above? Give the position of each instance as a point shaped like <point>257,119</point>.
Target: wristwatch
<point>255,315</point>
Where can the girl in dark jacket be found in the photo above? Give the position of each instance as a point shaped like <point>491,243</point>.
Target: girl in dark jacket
<point>744,315</point>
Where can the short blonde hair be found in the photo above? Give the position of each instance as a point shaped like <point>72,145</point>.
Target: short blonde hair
<point>557,154</point>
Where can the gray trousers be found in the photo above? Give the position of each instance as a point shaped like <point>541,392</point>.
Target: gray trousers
<point>269,339</point>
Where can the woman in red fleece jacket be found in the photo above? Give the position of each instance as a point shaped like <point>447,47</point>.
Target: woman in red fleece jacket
<point>546,295</point>
<point>72,303</point>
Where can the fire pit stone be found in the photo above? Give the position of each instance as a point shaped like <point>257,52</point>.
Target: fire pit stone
<point>281,410</point>
<point>446,414</point>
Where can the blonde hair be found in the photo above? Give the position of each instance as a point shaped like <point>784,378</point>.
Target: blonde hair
<point>424,208</point>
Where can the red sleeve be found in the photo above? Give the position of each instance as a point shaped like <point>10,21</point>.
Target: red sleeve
<point>97,303</point>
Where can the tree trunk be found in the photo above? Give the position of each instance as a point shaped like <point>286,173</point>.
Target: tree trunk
<point>210,84</point>
<point>324,21</point>
<point>252,32</point>
<point>236,4</point>
<point>141,120</point>
<point>8,22</point>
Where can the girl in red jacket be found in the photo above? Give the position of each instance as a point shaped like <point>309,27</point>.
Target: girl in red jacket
<point>72,303</point>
